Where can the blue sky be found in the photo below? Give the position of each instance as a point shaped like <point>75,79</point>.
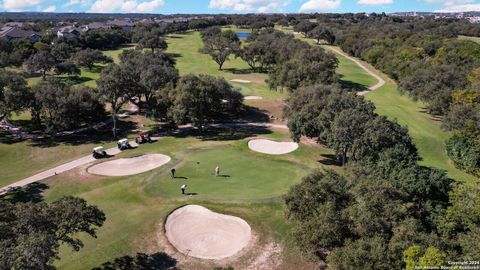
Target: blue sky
<point>237,6</point>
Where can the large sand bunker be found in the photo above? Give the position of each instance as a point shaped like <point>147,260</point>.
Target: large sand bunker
<point>129,166</point>
<point>252,98</point>
<point>272,147</point>
<point>199,232</point>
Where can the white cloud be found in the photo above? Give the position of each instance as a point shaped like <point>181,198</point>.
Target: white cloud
<point>263,6</point>
<point>50,9</point>
<point>82,3</point>
<point>460,8</point>
<point>320,5</point>
<point>456,5</point>
<point>374,2</point>
<point>128,6</point>
<point>20,5</point>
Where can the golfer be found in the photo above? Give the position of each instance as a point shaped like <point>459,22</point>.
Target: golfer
<point>183,187</point>
<point>173,172</point>
<point>217,171</point>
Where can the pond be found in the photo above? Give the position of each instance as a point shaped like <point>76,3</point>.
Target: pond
<point>242,34</point>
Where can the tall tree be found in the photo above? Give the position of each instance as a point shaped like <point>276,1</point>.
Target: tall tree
<point>31,233</point>
<point>197,99</point>
<point>89,57</point>
<point>116,86</point>
<point>221,45</point>
<point>152,40</point>
<point>14,94</point>
<point>42,61</point>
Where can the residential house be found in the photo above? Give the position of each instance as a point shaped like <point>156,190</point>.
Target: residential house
<point>15,32</point>
<point>124,24</point>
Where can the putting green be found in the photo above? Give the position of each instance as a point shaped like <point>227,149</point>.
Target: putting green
<point>243,175</point>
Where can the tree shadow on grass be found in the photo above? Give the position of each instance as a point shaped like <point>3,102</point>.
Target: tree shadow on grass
<point>89,136</point>
<point>175,55</point>
<point>253,114</point>
<point>330,160</point>
<point>232,133</point>
<point>30,193</point>
<point>239,70</point>
<point>77,79</point>
<point>352,86</point>
<point>142,261</point>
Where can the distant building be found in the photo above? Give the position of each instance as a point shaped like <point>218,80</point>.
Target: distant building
<point>97,25</point>
<point>70,31</point>
<point>124,24</point>
<point>15,32</point>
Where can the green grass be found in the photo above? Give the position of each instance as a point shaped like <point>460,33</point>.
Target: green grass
<point>137,205</point>
<point>185,48</point>
<point>351,73</point>
<point>474,39</point>
<point>114,54</point>
<point>424,128</point>
<point>22,159</point>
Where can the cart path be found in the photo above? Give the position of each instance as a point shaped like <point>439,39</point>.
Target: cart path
<point>112,151</point>
<point>380,80</point>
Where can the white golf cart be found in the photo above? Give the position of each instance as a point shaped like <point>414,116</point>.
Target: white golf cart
<point>99,152</point>
<point>123,144</point>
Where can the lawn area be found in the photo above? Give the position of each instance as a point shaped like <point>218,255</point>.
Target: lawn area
<point>352,76</point>
<point>185,48</point>
<point>114,54</point>
<point>136,206</point>
<point>474,39</point>
<point>424,128</point>
<point>23,159</point>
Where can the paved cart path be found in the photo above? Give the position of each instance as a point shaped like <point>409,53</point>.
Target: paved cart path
<point>380,82</point>
<point>112,151</point>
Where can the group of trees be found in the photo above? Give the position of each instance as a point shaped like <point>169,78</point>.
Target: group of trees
<point>54,104</point>
<point>348,124</point>
<point>32,231</point>
<point>151,81</point>
<point>430,64</point>
<point>63,60</point>
<point>385,211</point>
<point>290,62</point>
<point>314,30</point>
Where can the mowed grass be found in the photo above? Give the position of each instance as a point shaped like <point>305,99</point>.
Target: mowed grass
<point>423,127</point>
<point>351,74</point>
<point>474,39</point>
<point>23,159</point>
<point>185,48</point>
<point>136,206</point>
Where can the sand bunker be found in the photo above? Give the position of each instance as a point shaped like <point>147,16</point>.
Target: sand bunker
<point>240,81</point>
<point>129,166</point>
<point>252,97</point>
<point>199,232</point>
<point>272,147</point>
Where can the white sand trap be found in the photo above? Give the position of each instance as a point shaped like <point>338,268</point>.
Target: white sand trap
<point>252,97</point>
<point>199,232</point>
<point>272,147</point>
<point>129,166</point>
<point>240,81</point>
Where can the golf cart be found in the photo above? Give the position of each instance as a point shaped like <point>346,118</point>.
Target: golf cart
<point>123,144</point>
<point>99,152</point>
<point>142,138</point>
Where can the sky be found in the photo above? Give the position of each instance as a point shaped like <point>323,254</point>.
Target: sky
<point>238,6</point>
